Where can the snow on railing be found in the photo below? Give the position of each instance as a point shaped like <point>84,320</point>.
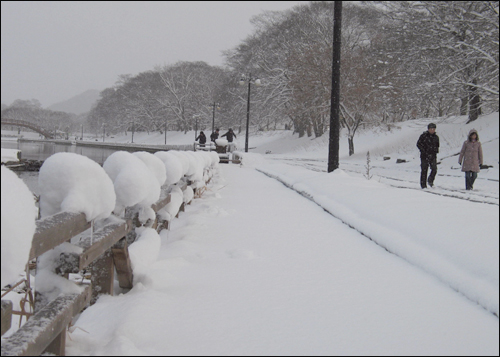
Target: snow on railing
<point>99,251</point>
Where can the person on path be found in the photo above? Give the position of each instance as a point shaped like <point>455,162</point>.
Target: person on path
<point>202,139</point>
<point>215,135</point>
<point>229,135</point>
<point>428,144</point>
<point>471,158</point>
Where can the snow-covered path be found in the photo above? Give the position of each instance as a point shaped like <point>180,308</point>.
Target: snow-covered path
<point>253,268</point>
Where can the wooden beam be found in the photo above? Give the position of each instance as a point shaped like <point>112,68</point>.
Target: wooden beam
<point>161,203</point>
<point>56,229</point>
<point>6,315</point>
<point>123,265</point>
<point>102,240</point>
<point>102,272</point>
<point>93,247</point>
<point>41,329</point>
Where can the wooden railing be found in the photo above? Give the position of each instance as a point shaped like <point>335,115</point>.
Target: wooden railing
<point>102,252</point>
<point>225,156</point>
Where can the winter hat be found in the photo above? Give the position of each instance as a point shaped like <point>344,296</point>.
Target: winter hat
<point>473,131</point>
<point>431,125</point>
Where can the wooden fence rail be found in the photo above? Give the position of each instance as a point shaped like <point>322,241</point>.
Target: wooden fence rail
<point>102,252</point>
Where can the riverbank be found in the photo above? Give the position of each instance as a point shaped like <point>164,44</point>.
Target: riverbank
<point>114,145</point>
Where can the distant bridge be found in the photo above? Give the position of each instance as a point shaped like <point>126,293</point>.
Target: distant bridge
<point>27,124</point>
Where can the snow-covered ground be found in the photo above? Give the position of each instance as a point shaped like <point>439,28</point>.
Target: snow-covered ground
<point>281,258</point>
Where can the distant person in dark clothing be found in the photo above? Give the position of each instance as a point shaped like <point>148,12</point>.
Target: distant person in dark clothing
<point>215,135</point>
<point>428,144</point>
<point>229,135</point>
<point>202,138</point>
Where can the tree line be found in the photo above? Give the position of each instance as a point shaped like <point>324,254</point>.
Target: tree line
<point>400,60</point>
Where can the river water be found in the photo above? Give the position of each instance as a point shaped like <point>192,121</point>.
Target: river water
<point>31,150</point>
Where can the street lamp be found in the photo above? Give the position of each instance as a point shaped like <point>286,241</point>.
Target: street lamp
<point>103,131</point>
<point>213,106</point>
<point>250,80</point>
<point>165,130</point>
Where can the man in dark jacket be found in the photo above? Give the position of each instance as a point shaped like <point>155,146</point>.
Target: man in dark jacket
<point>428,144</point>
<point>215,135</point>
<point>202,139</point>
<point>229,135</point>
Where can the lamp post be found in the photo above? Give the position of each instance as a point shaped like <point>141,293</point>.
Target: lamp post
<point>165,131</point>
<point>213,106</point>
<point>103,131</point>
<point>250,80</point>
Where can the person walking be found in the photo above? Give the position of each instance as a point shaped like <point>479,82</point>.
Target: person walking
<point>215,135</point>
<point>428,144</point>
<point>202,139</point>
<point>229,135</point>
<point>471,158</point>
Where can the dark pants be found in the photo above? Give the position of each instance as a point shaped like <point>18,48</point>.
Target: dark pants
<point>470,177</point>
<point>425,162</point>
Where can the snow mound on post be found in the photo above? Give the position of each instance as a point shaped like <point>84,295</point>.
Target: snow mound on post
<point>144,252</point>
<point>183,159</point>
<point>133,181</point>
<point>173,166</point>
<point>75,183</point>
<point>197,165</point>
<point>18,225</point>
<point>171,209</point>
<point>188,194</point>
<point>221,142</point>
<point>154,164</point>
<point>215,159</point>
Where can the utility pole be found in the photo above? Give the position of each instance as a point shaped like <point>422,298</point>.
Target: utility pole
<point>333,150</point>
<point>248,113</point>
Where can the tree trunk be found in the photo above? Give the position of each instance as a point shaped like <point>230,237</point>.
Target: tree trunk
<point>350,140</point>
<point>309,130</point>
<point>463,105</point>
<point>474,104</point>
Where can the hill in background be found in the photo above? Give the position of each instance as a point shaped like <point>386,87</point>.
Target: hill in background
<point>78,104</point>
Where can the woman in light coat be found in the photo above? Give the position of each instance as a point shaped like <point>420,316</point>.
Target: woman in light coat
<point>471,158</point>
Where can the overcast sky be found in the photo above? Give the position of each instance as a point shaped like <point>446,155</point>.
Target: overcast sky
<point>52,51</point>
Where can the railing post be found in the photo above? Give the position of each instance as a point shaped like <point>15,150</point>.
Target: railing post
<point>102,276</point>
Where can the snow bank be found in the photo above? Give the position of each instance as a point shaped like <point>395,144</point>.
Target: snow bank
<point>133,181</point>
<point>75,183</point>
<point>18,225</point>
<point>412,225</point>
<point>9,154</point>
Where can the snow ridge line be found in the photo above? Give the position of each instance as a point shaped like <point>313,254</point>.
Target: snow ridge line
<point>473,288</point>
